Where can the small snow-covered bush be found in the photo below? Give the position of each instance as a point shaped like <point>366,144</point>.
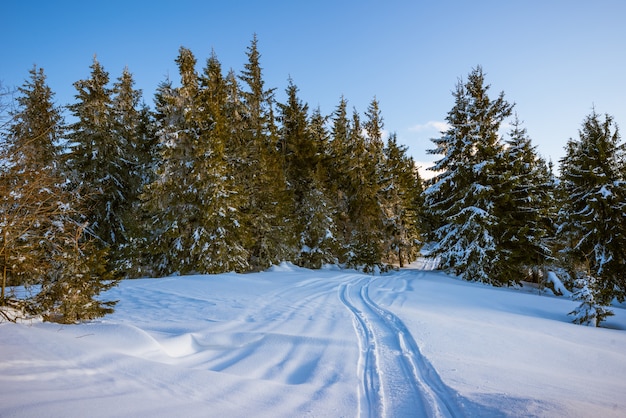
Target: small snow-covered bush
<point>589,312</point>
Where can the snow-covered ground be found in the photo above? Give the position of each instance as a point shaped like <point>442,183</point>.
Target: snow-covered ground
<point>292,342</point>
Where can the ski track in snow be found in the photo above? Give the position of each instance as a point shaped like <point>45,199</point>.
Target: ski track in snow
<point>396,380</point>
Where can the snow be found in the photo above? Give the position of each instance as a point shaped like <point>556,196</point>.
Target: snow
<point>604,192</point>
<point>291,342</point>
<point>559,287</point>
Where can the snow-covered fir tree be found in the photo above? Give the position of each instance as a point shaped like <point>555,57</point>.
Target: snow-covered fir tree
<point>589,312</point>
<point>365,156</point>
<point>261,171</point>
<point>401,201</point>
<point>221,245</point>
<point>322,228</point>
<point>133,129</point>
<point>460,199</point>
<point>336,165</point>
<point>302,143</point>
<point>193,202</point>
<point>523,210</point>
<point>31,187</point>
<point>593,217</point>
<point>42,235</point>
<point>171,198</point>
<point>99,162</point>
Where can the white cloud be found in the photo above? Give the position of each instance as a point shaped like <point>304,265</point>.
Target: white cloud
<point>422,168</point>
<point>429,126</point>
<point>384,134</point>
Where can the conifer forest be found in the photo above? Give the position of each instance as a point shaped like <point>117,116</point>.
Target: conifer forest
<point>217,175</point>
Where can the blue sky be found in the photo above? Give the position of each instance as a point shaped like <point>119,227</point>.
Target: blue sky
<point>555,59</point>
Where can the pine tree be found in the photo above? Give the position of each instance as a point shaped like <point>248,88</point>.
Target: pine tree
<point>172,198</point>
<point>98,162</point>
<point>195,200</point>
<point>262,173</point>
<point>31,187</point>
<point>221,238</point>
<point>593,220</point>
<point>301,144</point>
<point>460,199</point>
<point>523,210</point>
<point>321,229</point>
<point>589,312</point>
<point>337,165</point>
<point>401,200</point>
<point>365,147</point>
<point>132,124</point>
<point>42,237</point>
<point>352,168</point>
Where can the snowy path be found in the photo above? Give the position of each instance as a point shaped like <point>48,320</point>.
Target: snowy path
<point>396,379</point>
<point>291,342</point>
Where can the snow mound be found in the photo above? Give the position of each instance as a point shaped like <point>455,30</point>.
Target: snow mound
<point>284,266</point>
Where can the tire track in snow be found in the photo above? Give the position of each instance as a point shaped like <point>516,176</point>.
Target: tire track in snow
<point>396,380</point>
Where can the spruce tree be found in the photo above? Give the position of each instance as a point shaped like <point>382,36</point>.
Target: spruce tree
<point>42,236</point>
<point>401,201</point>
<point>31,187</point>
<point>352,169</point>
<point>5,105</point>
<point>195,200</point>
<point>262,171</point>
<point>321,229</point>
<point>365,147</point>
<point>172,198</point>
<point>301,143</point>
<point>71,291</point>
<point>522,208</point>
<point>593,219</point>
<point>99,162</point>
<point>132,127</point>
<point>589,312</point>
<point>296,144</point>
<point>460,199</point>
<point>236,151</point>
<point>222,243</point>
<point>133,258</point>
<point>338,184</point>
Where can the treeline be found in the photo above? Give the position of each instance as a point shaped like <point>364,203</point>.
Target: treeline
<point>219,176</point>
<point>496,213</point>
